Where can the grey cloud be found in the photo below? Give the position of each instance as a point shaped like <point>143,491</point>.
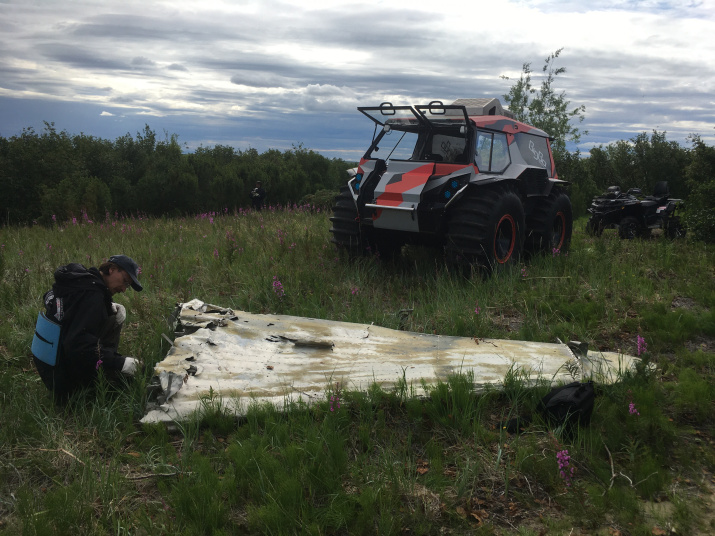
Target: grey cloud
<point>324,90</point>
<point>127,99</point>
<point>79,57</point>
<point>141,61</point>
<point>402,55</point>
<point>647,6</point>
<point>261,79</point>
<point>132,28</point>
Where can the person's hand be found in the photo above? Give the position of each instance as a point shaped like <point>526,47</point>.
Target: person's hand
<point>120,311</point>
<point>131,365</point>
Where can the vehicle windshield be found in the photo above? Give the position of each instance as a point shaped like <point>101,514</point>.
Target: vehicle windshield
<point>396,145</point>
<point>427,133</point>
<point>438,146</point>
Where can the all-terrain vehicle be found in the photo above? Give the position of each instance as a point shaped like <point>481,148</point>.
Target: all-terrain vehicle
<point>466,177</point>
<point>635,215</point>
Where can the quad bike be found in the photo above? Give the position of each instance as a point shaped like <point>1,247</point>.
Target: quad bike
<point>466,177</point>
<point>635,215</point>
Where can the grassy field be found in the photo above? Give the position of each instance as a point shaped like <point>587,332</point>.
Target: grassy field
<point>376,462</point>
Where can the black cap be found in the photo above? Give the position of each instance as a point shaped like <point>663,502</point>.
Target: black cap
<point>128,265</point>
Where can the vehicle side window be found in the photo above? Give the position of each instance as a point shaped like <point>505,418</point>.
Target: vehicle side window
<point>483,154</point>
<point>492,152</point>
<point>500,153</point>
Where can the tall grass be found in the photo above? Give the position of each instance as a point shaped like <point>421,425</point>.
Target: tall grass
<point>382,462</point>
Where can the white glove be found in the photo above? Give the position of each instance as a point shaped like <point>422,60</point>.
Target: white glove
<point>131,364</point>
<point>120,312</point>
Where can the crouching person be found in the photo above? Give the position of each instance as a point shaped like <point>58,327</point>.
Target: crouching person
<point>78,332</point>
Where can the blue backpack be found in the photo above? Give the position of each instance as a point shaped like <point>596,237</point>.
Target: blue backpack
<point>46,342</point>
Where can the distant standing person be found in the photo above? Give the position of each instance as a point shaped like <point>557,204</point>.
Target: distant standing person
<point>258,194</point>
<point>80,301</point>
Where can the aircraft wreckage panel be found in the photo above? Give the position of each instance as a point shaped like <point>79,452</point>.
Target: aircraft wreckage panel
<point>243,357</point>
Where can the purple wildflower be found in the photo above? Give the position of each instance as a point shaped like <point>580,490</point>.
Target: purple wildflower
<point>632,409</point>
<point>278,287</point>
<point>334,400</point>
<point>565,470</point>
<point>641,344</point>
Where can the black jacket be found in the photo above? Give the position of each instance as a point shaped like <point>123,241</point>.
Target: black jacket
<point>81,303</point>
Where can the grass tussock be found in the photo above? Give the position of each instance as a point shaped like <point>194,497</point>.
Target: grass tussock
<point>371,462</point>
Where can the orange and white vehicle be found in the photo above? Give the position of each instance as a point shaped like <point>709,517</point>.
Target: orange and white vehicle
<point>466,177</point>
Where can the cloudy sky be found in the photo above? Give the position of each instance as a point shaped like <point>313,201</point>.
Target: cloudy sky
<point>276,73</point>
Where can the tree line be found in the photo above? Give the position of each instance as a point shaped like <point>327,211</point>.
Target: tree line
<point>53,175</point>
<point>640,162</point>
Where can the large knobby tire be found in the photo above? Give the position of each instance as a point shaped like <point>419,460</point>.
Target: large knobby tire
<point>594,226</point>
<point>486,229</point>
<point>346,224</point>
<point>551,225</point>
<point>674,229</point>
<point>629,228</point>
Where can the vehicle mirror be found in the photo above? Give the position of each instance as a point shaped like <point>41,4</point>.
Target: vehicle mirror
<point>463,129</point>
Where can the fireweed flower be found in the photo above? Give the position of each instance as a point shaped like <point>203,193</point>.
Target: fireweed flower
<point>641,344</point>
<point>278,287</point>
<point>565,470</point>
<point>632,409</point>
<point>334,402</point>
<point>335,399</point>
<point>99,363</point>
<point>477,309</point>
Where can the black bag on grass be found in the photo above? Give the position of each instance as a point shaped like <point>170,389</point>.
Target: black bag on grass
<point>567,406</point>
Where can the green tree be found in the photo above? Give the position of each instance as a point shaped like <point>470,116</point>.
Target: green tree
<point>658,159</point>
<point>169,186</point>
<point>623,163</point>
<point>76,196</point>
<point>700,180</point>
<point>599,168</point>
<point>545,108</point>
<point>29,163</point>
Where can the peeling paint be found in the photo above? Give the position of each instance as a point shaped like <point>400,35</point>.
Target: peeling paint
<point>242,357</point>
